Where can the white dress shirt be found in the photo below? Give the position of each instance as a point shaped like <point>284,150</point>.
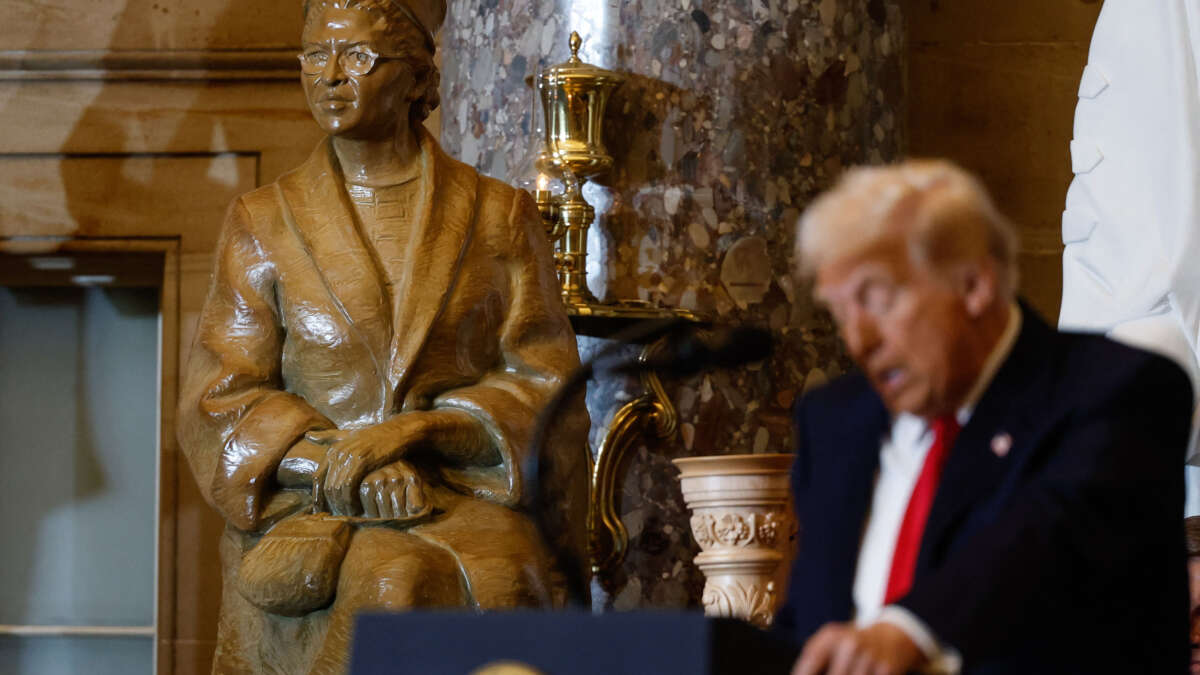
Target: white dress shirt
<point>901,457</point>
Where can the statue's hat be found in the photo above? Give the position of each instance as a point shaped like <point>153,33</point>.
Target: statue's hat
<point>428,15</point>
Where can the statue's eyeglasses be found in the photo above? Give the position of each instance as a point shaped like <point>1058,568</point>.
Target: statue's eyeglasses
<point>356,60</point>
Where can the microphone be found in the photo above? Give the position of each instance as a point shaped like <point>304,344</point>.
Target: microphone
<point>693,352</point>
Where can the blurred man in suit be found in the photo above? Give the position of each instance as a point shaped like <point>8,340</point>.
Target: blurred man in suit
<point>987,495</point>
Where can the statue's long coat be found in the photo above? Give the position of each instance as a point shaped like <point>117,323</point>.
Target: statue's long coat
<point>301,331</point>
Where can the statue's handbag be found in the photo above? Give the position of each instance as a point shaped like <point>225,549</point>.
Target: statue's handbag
<point>294,568</point>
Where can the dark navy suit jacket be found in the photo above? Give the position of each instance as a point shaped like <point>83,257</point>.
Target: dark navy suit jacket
<point>1065,555</point>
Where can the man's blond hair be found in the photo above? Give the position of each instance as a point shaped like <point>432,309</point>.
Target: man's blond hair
<point>943,212</point>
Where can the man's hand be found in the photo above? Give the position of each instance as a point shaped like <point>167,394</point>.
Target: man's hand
<point>843,649</point>
<point>350,459</point>
<point>395,491</point>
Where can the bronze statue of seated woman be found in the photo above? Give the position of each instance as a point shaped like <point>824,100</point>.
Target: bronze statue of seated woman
<point>382,328</point>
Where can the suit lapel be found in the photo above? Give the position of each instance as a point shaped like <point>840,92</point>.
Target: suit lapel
<point>1003,428</point>
<point>442,229</point>
<point>317,209</point>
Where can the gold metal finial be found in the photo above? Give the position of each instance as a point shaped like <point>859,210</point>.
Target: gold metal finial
<point>576,42</point>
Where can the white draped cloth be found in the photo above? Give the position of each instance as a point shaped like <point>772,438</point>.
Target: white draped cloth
<point>1131,228</point>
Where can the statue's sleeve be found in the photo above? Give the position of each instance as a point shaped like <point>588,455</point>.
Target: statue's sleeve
<point>235,421</point>
<point>537,352</point>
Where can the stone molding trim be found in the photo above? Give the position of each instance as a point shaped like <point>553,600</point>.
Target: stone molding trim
<point>754,602</point>
<point>150,64</point>
<point>734,529</point>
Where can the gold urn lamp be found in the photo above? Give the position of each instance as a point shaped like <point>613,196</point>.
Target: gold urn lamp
<point>574,96</point>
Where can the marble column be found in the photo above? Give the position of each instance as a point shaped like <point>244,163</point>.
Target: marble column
<point>734,116</point>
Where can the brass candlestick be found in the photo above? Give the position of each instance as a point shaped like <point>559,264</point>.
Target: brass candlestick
<point>574,96</point>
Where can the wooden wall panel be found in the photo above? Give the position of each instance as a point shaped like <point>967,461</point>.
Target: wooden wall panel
<point>1011,21</point>
<point>148,24</point>
<point>992,86</point>
<point>122,196</point>
<point>269,119</point>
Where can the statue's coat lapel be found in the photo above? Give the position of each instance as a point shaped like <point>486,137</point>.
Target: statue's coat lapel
<point>316,207</point>
<point>395,327</point>
<point>442,230</point>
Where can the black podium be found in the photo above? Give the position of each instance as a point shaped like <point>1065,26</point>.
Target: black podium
<point>564,643</point>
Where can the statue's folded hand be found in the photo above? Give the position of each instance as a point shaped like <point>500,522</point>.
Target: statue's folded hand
<point>348,461</point>
<point>395,491</point>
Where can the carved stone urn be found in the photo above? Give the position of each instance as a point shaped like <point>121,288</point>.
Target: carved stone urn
<point>742,520</point>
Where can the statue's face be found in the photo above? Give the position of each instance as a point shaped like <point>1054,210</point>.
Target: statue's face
<point>355,86</point>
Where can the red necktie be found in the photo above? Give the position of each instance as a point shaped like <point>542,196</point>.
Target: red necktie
<point>908,542</point>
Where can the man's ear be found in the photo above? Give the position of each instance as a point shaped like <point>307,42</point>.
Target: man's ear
<point>978,284</point>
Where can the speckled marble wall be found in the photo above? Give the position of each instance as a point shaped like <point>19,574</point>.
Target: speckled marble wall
<point>734,116</point>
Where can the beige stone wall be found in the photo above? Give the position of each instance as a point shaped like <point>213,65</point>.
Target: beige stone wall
<point>992,85</point>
